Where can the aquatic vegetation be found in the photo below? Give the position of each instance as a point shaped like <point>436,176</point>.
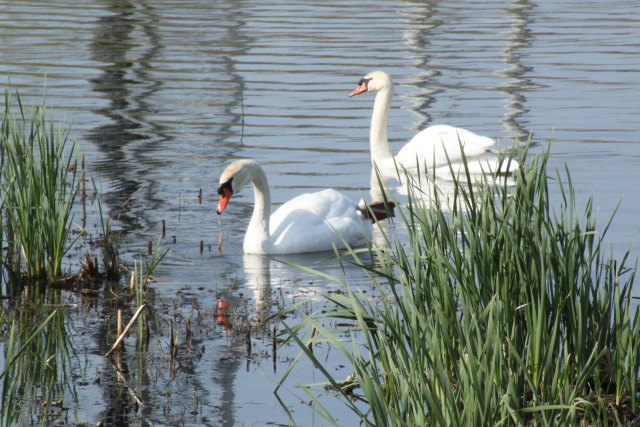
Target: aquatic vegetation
<point>503,309</point>
<point>109,251</point>
<point>39,184</point>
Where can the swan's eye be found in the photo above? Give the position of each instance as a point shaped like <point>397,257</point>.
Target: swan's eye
<point>225,185</point>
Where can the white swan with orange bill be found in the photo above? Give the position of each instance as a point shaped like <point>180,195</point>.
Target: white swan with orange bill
<point>433,149</point>
<point>310,222</point>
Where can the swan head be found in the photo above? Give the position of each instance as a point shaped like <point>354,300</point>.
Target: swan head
<point>373,82</point>
<point>232,179</point>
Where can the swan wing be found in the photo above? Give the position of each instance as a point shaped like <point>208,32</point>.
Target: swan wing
<point>315,222</point>
<point>438,145</point>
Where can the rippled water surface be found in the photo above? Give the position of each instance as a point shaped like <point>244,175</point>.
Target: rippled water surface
<point>163,94</point>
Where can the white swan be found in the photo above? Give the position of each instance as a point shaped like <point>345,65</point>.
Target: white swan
<point>434,147</point>
<point>311,222</point>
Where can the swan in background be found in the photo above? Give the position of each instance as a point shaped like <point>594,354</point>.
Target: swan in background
<point>311,222</point>
<point>434,147</point>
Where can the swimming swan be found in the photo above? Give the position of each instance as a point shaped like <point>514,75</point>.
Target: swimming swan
<point>310,222</point>
<point>434,147</point>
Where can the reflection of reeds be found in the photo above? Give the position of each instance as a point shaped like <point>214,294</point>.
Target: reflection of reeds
<point>39,184</point>
<point>503,310</point>
<point>36,365</point>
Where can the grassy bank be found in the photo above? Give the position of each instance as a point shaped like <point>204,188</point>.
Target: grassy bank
<point>499,310</point>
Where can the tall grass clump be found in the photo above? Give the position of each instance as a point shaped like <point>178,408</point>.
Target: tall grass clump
<point>39,184</point>
<point>500,310</point>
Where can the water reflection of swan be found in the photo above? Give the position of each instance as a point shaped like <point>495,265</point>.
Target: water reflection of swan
<point>435,148</point>
<point>311,222</point>
<point>258,278</point>
<point>433,192</point>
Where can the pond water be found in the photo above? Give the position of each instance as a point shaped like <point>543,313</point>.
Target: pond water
<point>161,95</point>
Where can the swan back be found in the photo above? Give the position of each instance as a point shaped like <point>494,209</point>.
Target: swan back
<point>318,221</point>
<point>439,146</point>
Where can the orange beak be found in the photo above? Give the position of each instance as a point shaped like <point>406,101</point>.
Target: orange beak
<point>359,89</point>
<point>225,195</point>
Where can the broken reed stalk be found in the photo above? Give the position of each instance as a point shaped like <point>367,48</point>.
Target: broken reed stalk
<point>119,322</point>
<point>188,336</point>
<point>173,340</point>
<point>313,334</point>
<point>132,282</point>
<point>83,180</point>
<point>126,329</point>
<point>274,347</point>
<point>248,340</point>
<point>84,195</point>
<point>95,190</point>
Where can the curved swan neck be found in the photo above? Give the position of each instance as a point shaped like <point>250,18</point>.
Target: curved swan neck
<point>258,235</point>
<point>379,144</point>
